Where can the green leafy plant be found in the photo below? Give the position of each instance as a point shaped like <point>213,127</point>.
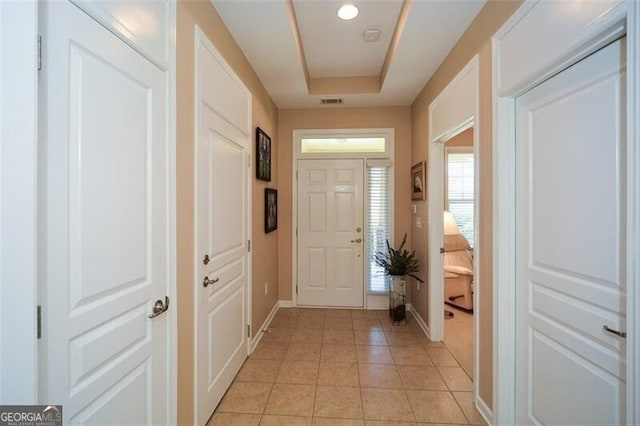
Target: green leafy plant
<point>398,261</point>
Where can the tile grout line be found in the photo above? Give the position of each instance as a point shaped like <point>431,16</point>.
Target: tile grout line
<point>359,362</point>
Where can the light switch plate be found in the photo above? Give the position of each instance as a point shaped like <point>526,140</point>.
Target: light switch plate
<point>419,222</point>
<point>414,209</point>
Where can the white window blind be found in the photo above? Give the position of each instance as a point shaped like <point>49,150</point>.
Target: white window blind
<point>460,191</point>
<point>378,223</point>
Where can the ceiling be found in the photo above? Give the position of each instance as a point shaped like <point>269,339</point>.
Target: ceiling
<point>303,53</point>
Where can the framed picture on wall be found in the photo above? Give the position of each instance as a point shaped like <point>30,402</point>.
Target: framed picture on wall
<point>418,182</point>
<point>263,155</point>
<point>270,210</point>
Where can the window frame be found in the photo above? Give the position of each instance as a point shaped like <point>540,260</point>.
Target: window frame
<point>369,165</point>
<point>460,150</point>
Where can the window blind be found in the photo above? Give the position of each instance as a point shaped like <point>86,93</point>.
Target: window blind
<point>378,223</point>
<point>460,191</point>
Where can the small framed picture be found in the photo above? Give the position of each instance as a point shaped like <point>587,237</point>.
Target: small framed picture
<point>270,210</point>
<point>418,182</point>
<point>263,155</point>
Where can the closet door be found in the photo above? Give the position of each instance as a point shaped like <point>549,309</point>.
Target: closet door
<point>223,144</point>
<point>571,216</point>
<point>105,233</point>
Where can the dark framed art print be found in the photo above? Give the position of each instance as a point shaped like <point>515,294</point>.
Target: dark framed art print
<point>270,210</point>
<point>263,155</point>
<point>418,183</point>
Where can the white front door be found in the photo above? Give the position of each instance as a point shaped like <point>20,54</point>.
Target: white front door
<point>330,233</point>
<point>104,225</point>
<point>571,245</point>
<point>222,164</point>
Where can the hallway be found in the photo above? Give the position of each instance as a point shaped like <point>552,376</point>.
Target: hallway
<point>347,367</point>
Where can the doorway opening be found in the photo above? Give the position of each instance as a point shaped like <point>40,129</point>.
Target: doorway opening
<point>454,111</point>
<point>342,214</point>
<point>459,242</point>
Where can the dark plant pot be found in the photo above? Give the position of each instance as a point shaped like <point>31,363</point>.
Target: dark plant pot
<point>397,295</point>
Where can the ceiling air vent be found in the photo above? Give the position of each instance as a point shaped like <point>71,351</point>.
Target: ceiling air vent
<point>332,101</point>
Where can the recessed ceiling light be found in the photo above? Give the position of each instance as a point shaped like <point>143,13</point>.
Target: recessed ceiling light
<point>348,12</point>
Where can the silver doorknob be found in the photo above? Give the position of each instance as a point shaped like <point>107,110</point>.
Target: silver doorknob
<point>359,240</point>
<point>160,307</point>
<point>207,282</point>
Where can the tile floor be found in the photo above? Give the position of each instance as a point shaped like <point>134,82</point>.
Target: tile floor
<point>347,367</point>
<point>458,338</point>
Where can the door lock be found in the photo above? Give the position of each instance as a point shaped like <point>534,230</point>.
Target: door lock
<point>206,259</point>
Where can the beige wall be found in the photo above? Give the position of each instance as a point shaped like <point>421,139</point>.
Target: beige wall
<point>463,139</point>
<point>476,40</point>
<point>265,247</point>
<point>398,118</point>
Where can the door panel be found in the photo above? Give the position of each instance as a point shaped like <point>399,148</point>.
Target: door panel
<point>571,221</point>
<point>105,223</point>
<point>222,155</point>
<point>330,222</point>
<point>98,137</point>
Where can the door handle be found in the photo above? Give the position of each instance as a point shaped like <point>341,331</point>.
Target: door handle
<point>622,334</point>
<point>160,307</point>
<point>207,282</point>
<point>359,240</point>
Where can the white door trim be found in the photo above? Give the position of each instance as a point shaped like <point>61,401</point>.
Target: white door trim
<point>523,56</point>
<point>18,208</point>
<point>389,134</point>
<point>455,110</point>
<point>172,269</point>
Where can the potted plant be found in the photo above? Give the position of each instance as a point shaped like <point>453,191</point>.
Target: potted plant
<point>398,264</point>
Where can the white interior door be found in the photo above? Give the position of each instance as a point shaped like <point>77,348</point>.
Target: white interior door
<point>571,245</point>
<point>330,233</point>
<point>222,206</point>
<point>104,227</point>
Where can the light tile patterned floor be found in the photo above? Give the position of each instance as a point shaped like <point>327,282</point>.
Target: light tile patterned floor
<point>347,367</point>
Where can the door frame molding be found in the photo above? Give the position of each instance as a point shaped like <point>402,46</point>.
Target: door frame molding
<point>172,285</point>
<point>453,111</point>
<point>389,134</point>
<point>524,56</point>
<point>18,202</point>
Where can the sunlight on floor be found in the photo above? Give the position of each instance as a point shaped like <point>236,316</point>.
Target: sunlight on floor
<point>458,337</point>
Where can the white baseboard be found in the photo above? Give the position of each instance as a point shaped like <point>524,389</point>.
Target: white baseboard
<point>484,410</point>
<point>286,304</point>
<point>423,325</point>
<point>376,301</point>
<point>257,335</point>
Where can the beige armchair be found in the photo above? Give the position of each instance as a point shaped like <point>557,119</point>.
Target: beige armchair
<point>458,271</point>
